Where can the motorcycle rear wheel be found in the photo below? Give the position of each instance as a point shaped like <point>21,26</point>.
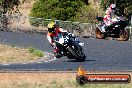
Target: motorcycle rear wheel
<point>124,35</point>
<point>99,34</point>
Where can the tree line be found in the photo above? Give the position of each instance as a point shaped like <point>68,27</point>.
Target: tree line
<point>123,7</point>
<point>73,10</point>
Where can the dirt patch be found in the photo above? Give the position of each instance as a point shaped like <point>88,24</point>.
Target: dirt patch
<point>36,77</point>
<point>46,77</point>
<point>11,54</point>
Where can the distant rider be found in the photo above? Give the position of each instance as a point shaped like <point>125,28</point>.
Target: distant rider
<point>108,17</point>
<point>53,31</point>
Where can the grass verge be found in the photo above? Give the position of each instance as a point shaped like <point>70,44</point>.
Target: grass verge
<point>12,54</point>
<point>48,80</point>
<point>36,52</point>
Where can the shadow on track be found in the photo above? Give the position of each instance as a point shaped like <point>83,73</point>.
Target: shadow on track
<point>78,61</point>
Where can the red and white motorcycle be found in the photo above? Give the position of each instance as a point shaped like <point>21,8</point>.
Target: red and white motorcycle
<point>115,30</point>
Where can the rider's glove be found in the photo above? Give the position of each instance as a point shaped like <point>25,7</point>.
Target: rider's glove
<point>52,44</point>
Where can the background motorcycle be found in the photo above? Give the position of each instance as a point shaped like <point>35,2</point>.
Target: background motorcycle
<point>116,30</point>
<point>69,47</point>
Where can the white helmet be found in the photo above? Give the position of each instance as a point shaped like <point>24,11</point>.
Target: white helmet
<point>112,6</point>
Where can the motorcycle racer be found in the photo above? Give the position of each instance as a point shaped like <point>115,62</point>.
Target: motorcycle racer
<point>53,31</point>
<point>108,17</point>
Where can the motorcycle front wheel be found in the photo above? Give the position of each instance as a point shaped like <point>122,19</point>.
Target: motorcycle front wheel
<point>77,57</point>
<point>99,34</point>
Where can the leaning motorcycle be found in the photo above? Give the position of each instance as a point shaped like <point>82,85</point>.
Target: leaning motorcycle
<point>116,30</point>
<point>69,47</point>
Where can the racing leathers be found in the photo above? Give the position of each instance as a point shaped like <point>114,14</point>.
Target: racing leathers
<point>50,36</point>
<point>108,17</point>
<point>50,39</point>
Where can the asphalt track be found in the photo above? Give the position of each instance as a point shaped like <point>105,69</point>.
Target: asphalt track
<point>102,55</point>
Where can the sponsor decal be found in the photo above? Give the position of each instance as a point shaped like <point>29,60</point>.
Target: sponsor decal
<point>83,77</point>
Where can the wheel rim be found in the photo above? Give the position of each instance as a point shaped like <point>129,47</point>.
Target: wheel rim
<point>99,34</point>
<point>124,35</point>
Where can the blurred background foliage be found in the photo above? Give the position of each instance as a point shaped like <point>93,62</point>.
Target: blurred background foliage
<point>123,7</point>
<point>56,9</point>
<point>6,5</point>
<point>72,10</point>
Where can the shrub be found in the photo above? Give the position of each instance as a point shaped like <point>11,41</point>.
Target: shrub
<point>36,52</point>
<point>88,13</point>
<point>31,49</point>
<point>56,9</point>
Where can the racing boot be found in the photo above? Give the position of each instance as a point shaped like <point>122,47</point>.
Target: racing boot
<point>102,27</point>
<point>57,53</point>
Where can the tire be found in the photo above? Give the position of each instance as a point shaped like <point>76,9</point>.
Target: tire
<point>57,54</point>
<point>124,35</point>
<point>77,57</point>
<point>99,34</point>
<point>81,80</point>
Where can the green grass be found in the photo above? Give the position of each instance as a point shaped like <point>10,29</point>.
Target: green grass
<point>67,84</point>
<point>31,49</point>
<point>36,52</point>
<point>11,54</point>
<point>73,84</point>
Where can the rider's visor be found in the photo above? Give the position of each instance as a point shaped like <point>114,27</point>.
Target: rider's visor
<point>51,30</point>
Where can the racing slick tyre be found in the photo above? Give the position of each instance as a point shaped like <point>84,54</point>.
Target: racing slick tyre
<point>99,34</point>
<point>78,58</point>
<point>124,35</point>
